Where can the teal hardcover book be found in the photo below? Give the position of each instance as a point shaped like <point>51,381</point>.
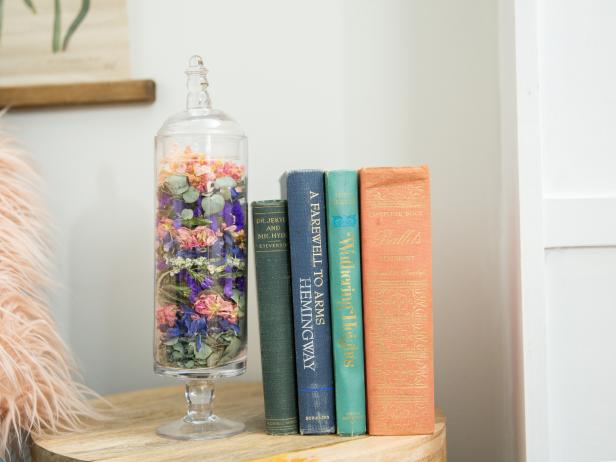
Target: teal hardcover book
<point>346,302</point>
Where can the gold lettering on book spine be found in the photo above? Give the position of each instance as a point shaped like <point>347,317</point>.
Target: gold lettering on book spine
<point>397,275</point>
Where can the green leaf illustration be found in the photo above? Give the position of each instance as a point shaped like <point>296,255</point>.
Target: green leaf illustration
<point>1,16</point>
<point>30,5</point>
<point>83,11</point>
<point>57,26</point>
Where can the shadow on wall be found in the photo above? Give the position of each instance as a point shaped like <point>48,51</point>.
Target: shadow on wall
<point>111,291</point>
<point>423,87</point>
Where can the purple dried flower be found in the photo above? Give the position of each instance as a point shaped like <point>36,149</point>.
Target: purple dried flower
<point>164,200</point>
<point>195,287</point>
<point>226,214</point>
<point>178,206</point>
<point>236,251</point>
<point>214,220</point>
<point>197,325</point>
<point>173,332</point>
<point>238,212</point>
<point>207,282</point>
<point>226,325</point>
<point>216,250</point>
<point>228,290</point>
<point>188,253</point>
<point>198,209</point>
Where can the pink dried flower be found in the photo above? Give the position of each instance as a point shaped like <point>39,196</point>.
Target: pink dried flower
<point>204,236</point>
<point>214,305</point>
<point>185,238</point>
<point>164,226</point>
<point>200,170</point>
<point>166,315</point>
<point>201,236</point>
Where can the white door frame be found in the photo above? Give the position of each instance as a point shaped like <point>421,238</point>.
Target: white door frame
<point>532,239</point>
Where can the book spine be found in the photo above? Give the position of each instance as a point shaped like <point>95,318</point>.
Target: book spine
<point>273,270</point>
<point>397,292</point>
<point>310,282</point>
<point>346,301</point>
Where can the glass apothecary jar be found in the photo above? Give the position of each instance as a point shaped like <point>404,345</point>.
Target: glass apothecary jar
<point>201,253</point>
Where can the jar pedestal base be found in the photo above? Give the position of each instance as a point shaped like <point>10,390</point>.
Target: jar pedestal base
<point>200,423</point>
<point>212,428</point>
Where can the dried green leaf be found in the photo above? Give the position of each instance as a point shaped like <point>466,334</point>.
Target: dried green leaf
<point>191,195</point>
<point>187,214</point>
<point>225,182</point>
<point>213,359</point>
<point>204,352</point>
<point>177,346</point>
<point>232,349</point>
<point>212,339</point>
<point>176,184</point>
<point>213,204</point>
<point>225,193</point>
<point>240,300</point>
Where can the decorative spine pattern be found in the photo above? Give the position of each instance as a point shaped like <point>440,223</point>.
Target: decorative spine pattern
<point>397,292</point>
<point>346,301</point>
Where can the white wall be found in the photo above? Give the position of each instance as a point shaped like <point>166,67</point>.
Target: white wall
<point>326,84</point>
<point>567,170</point>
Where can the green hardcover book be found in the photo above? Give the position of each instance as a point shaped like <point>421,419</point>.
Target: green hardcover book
<point>271,242</point>
<point>346,302</point>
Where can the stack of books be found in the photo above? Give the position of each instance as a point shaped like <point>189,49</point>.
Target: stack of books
<point>344,282</point>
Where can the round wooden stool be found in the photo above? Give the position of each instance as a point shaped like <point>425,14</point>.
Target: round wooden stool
<point>130,435</point>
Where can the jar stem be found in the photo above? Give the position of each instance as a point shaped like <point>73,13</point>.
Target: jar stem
<point>199,401</point>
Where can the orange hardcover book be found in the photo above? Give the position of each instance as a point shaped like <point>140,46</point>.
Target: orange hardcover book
<point>397,291</point>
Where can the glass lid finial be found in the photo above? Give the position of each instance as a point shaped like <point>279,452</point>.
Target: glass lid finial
<point>196,84</point>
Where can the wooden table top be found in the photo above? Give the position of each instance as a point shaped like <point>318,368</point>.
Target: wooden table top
<point>130,435</point>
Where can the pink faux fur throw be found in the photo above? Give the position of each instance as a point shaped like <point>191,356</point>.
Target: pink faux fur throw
<point>37,390</point>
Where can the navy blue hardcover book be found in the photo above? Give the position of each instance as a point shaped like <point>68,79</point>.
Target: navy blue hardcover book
<point>310,284</point>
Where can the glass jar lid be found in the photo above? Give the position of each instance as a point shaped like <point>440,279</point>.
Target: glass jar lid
<point>199,117</point>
